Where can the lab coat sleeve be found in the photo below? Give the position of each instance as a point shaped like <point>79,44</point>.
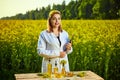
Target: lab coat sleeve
<point>41,49</point>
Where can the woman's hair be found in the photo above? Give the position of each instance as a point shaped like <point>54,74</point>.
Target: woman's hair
<point>49,26</point>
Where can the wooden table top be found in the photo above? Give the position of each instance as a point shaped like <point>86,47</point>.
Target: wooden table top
<point>89,75</point>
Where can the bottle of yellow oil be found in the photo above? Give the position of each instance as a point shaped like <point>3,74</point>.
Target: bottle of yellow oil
<point>56,73</point>
<point>63,72</point>
<point>55,68</point>
<point>49,68</point>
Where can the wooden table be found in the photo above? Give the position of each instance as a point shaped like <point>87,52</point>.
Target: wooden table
<point>89,75</point>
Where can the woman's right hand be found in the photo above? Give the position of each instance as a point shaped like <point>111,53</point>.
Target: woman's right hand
<point>62,54</point>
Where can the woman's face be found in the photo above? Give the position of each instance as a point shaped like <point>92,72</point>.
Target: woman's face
<point>55,20</point>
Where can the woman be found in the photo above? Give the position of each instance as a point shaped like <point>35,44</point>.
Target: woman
<point>53,43</point>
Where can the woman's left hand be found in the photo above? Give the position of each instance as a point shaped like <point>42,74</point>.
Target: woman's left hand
<point>68,46</point>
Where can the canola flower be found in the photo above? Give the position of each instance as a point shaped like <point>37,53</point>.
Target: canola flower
<point>63,62</point>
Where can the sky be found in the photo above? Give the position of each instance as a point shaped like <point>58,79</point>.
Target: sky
<point>13,7</point>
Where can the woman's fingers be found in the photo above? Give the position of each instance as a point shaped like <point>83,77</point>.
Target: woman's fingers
<point>68,46</point>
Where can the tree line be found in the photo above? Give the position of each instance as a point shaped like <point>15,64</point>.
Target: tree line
<point>76,9</point>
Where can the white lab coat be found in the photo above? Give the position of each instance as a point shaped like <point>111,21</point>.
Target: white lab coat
<point>48,44</point>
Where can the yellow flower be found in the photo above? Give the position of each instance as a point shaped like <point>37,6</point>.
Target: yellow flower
<point>63,62</point>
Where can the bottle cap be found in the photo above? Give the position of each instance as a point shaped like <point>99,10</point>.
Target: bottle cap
<point>55,63</point>
<point>49,60</point>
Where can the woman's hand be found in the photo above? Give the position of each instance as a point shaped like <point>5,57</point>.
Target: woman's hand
<point>68,46</point>
<point>62,54</point>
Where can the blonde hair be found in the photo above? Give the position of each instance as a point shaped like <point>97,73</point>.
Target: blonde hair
<point>49,26</point>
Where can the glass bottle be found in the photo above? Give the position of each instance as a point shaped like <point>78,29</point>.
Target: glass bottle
<point>55,68</point>
<point>63,72</point>
<point>49,68</point>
